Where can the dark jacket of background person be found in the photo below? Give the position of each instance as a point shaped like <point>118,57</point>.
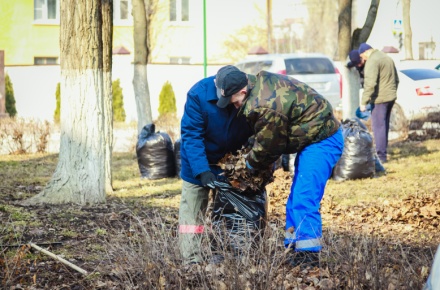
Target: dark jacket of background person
<point>208,132</point>
<point>287,115</point>
<point>381,79</point>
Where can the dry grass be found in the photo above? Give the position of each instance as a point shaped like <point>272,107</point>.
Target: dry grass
<point>132,242</point>
<point>412,169</point>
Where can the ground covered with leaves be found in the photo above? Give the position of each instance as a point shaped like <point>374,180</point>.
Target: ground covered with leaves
<point>379,233</point>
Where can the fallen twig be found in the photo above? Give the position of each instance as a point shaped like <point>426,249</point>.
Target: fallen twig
<point>38,244</point>
<point>65,262</point>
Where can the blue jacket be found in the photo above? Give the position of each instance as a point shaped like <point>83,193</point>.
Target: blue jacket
<point>208,132</point>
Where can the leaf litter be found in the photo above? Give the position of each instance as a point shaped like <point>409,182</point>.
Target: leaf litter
<point>399,235</point>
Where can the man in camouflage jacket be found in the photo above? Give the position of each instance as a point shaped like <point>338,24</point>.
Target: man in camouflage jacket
<point>288,117</point>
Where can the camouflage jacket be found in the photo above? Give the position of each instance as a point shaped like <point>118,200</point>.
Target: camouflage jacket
<point>286,116</point>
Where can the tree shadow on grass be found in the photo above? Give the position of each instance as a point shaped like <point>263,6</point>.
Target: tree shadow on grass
<point>408,148</point>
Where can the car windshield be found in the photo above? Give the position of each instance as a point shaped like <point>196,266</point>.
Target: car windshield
<point>315,65</point>
<point>421,74</point>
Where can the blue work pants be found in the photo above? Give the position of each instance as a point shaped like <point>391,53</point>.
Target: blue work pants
<point>380,123</point>
<point>313,168</point>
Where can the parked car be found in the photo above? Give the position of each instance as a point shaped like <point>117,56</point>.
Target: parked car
<point>316,70</point>
<point>418,100</point>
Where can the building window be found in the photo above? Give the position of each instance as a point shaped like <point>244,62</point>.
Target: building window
<point>179,10</point>
<point>45,60</point>
<point>47,11</point>
<point>122,12</point>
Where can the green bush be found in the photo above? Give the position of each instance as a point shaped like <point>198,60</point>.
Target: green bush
<point>118,102</point>
<point>167,100</point>
<point>56,115</point>
<point>10,100</point>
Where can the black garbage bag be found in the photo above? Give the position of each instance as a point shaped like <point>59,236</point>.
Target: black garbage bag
<point>177,157</point>
<point>377,164</point>
<point>155,154</point>
<point>238,217</point>
<point>357,160</point>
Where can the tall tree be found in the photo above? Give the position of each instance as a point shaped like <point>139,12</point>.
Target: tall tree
<point>347,42</point>
<point>142,11</point>
<point>344,33</point>
<point>407,36</point>
<point>361,34</point>
<point>82,173</point>
<point>107,40</point>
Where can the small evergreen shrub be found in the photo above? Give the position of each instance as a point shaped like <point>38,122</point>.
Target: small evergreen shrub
<point>167,100</point>
<point>10,99</point>
<point>118,102</point>
<point>57,113</point>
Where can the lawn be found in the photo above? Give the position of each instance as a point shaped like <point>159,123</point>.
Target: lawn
<point>379,233</point>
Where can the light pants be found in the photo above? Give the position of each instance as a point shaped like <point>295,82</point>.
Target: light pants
<point>313,167</point>
<point>193,204</point>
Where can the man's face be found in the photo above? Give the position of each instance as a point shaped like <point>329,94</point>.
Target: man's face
<point>364,57</point>
<point>237,99</point>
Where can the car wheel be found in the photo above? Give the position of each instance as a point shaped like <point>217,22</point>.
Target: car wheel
<point>399,125</point>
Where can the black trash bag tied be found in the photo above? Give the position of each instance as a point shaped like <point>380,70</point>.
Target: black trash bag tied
<point>240,215</point>
<point>155,154</point>
<point>358,158</point>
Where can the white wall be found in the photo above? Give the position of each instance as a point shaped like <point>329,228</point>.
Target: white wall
<point>35,86</point>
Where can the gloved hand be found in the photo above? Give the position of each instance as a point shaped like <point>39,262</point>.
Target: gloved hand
<point>207,178</point>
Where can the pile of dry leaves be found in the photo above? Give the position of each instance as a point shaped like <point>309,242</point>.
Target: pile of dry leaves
<point>234,167</point>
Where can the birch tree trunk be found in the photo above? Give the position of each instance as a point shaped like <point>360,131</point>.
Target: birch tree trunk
<point>82,171</point>
<point>107,39</point>
<point>407,36</point>
<point>141,52</point>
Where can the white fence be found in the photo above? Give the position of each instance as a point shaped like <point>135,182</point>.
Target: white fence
<point>35,86</point>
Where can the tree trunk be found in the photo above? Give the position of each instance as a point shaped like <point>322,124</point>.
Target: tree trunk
<point>107,39</point>
<point>344,34</point>
<point>407,36</point>
<point>80,176</point>
<point>350,77</point>
<point>141,52</point>
<point>361,34</point>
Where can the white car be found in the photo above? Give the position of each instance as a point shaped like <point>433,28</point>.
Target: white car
<point>418,100</point>
<point>316,70</point>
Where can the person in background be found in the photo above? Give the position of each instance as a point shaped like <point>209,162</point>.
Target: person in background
<point>380,90</point>
<point>207,134</point>
<point>288,116</point>
<point>357,62</point>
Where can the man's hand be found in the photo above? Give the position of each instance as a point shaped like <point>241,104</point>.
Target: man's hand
<point>207,178</point>
<point>362,108</point>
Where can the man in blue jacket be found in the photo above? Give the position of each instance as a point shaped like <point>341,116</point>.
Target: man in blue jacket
<point>207,134</point>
